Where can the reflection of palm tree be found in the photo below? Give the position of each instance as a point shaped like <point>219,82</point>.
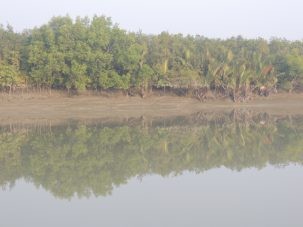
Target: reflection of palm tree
<point>93,159</point>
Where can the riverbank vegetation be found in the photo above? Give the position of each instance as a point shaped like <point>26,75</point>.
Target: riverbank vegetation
<point>96,54</point>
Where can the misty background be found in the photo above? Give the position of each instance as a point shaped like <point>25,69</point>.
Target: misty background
<point>210,18</point>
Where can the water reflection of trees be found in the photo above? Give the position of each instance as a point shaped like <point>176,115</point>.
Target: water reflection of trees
<point>94,158</point>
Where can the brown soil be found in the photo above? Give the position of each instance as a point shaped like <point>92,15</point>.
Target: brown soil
<point>61,107</point>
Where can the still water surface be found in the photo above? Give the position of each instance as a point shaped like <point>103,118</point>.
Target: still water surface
<point>226,169</point>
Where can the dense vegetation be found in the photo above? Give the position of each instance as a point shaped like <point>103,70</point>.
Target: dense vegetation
<point>96,54</point>
<point>75,158</point>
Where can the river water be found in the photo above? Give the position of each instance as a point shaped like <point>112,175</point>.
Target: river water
<point>221,169</point>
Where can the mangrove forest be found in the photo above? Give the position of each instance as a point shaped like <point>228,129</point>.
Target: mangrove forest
<point>96,54</point>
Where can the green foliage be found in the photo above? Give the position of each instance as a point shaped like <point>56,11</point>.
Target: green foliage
<point>8,76</point>
<point>10,58</point>
<point>295,65</point>
<point>143,77</point>
<point>85,53</point>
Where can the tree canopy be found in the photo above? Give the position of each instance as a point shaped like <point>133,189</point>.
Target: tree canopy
<point>94,53</point>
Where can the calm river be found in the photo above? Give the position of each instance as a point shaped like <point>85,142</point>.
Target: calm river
<point>222,169</point>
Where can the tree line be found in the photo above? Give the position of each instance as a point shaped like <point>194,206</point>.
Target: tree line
<point>96,54</point>
<point>87,160</point>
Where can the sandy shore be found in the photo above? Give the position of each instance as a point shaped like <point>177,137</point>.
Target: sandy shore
<point>58,107</point>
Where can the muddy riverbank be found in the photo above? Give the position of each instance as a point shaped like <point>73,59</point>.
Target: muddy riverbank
<point>59,107</point>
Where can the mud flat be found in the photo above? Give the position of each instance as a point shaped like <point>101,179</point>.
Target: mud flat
<point>58,107</point>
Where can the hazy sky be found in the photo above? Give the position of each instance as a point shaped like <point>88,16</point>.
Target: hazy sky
<point>211,18</point>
